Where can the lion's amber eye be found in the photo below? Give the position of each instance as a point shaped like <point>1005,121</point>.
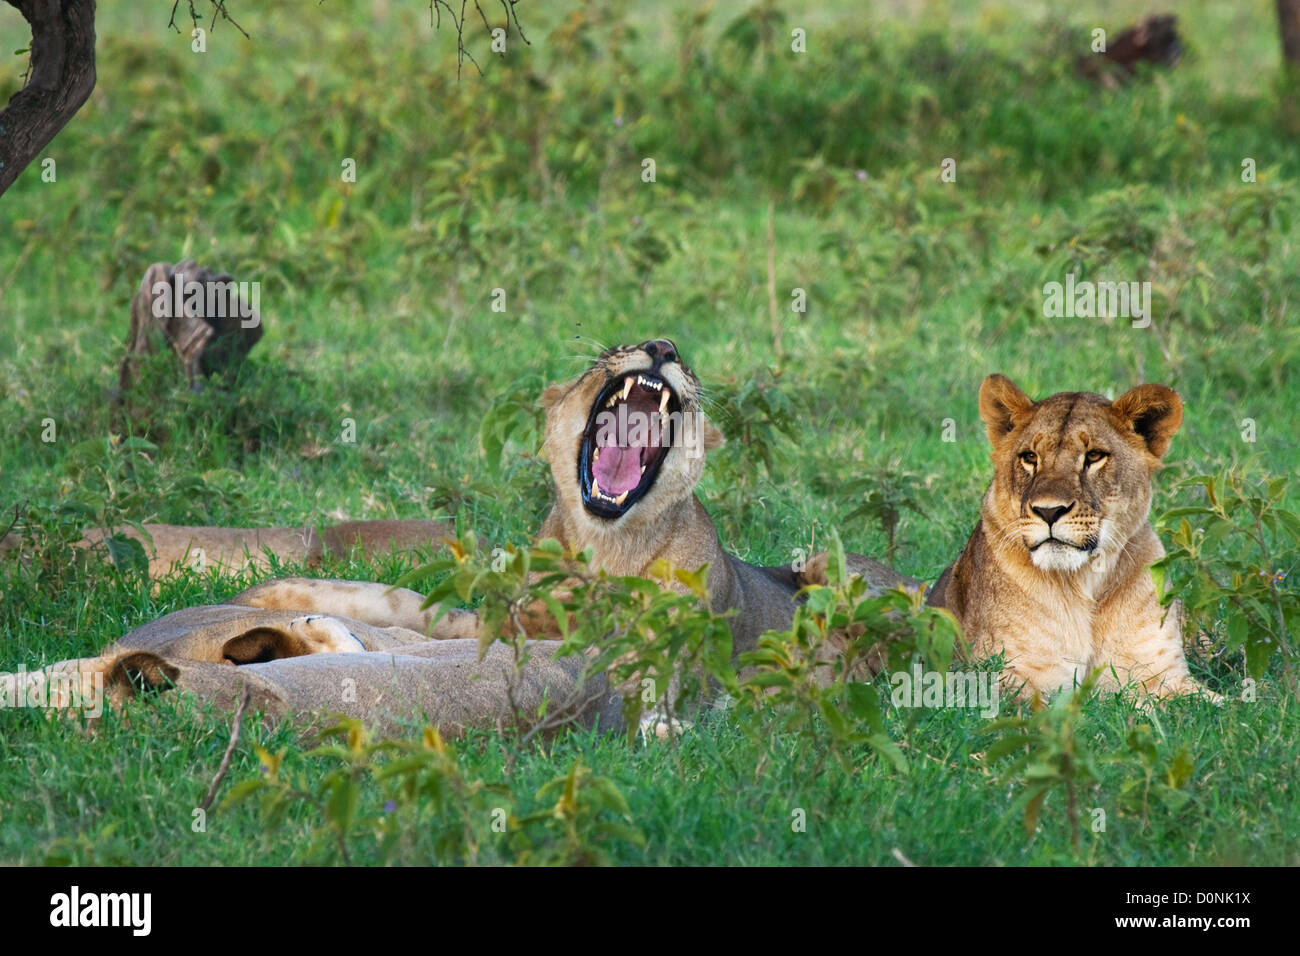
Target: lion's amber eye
<point>1094,455</point>
<point>1029,458</point>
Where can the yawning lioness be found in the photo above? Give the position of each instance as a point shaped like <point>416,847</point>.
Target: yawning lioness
<point>626,443</point>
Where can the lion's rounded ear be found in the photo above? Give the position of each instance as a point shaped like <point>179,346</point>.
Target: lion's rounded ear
<point>1154,412</point>
<point>713,437</point>
<point>552,395</point>
<point>1003,406</point>
<point>140,670</point>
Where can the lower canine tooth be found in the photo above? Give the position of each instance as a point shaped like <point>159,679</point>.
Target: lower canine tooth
<point>621,498</point>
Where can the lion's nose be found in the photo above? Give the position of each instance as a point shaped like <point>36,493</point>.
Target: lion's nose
<point>1050,513</point>
<point>661,351</point>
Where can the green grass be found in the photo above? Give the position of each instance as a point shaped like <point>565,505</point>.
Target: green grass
<point>376,298</point>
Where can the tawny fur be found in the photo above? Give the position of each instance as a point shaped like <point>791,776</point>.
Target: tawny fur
<point>668,523</point>
<point>1065,597</point>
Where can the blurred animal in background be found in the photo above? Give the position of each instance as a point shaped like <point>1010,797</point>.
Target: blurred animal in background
<point>207,318</point>
<point>1155,40</point>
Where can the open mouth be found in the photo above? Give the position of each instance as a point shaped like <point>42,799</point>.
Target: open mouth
<point>629,433</point>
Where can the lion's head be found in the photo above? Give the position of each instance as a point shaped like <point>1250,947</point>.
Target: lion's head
<point>626,439</point>
<point>1072,478</point>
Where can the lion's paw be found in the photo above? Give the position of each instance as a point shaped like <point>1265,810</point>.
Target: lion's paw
<point>659,727</point>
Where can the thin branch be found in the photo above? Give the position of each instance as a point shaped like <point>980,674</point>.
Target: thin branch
<point>487,26</point>
<point>219,6</point>
<point>18,513</point>
<point>510,13</point>
<point>218,9</point>
<point>230,749</point>
<point>771,277</point>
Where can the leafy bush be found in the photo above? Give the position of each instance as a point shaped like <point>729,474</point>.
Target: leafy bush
<point>655,637</point>
<point>1230,568</point>
<point>820,672</point>
<point>1050,751</point>
<point>431,811</point>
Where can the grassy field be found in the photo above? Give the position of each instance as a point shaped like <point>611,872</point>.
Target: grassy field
<point>377,300</point>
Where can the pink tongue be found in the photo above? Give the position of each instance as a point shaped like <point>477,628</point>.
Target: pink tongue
<point>618,470</point>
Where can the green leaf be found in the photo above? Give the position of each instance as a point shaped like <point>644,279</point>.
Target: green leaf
<point>1174,800</point>
<point>1257,656</point>
<point>1180,512</point>
<point>864,703</point>
<point>557,611</point>
<point>617,830</point>
<point>614,798</point>
<point>835,565</point>
<point>768,679</point>
<point>127,554</point>
<point>1238,630</point>
<point>1181,768</point>
<point>887,748</point>
<point>1032,808</point>
<point>1006,745</point>
<point>343,803</point>
<point>245,788</point>
<point>834,719</point>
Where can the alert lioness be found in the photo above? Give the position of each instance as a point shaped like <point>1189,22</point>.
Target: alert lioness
<point>1056,572</point>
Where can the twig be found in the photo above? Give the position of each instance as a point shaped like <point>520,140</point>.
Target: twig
<point>172,22</point>
<point>230,749</point>
<point>18,513</point>
<point>487,26</point>
<point>511,14</point>
<point>459,23</point>
<point>218,9</point>
<point>568,713</point>
<point>219,6</point>
<point>771,276</point>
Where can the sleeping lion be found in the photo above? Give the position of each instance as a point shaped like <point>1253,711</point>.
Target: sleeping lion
<point>626,442</point>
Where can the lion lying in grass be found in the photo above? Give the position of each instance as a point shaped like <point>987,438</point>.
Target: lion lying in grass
<point>171,548</point>
<point>626,442</point>
<point>1054,576</point>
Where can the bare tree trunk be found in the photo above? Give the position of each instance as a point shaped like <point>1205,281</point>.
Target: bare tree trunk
<point>1288,22</point>
<point>62,76</point>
